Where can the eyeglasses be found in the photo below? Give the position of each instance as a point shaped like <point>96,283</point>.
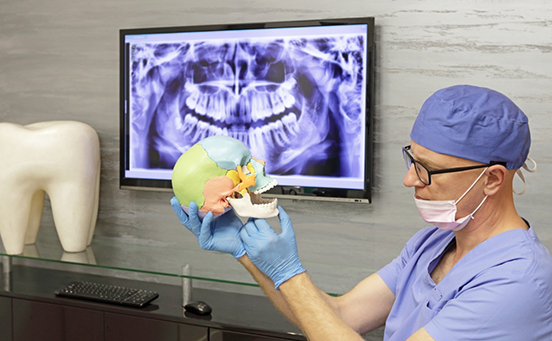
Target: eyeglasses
<point>424,173</point>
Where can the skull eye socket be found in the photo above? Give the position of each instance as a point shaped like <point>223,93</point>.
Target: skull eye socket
<point>246,170</point>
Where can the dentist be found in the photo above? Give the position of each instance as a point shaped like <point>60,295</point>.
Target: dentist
<point>479,272</point>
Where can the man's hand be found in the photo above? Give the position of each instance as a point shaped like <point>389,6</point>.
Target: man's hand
<point>220,234</point>
<point>275,255</point>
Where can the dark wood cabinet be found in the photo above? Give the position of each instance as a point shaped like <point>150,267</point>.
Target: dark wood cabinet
<point>5,319</point>
<point>29,310</point>
<point>226,335</point>
<point>39,321</point>
<point>123,327</point>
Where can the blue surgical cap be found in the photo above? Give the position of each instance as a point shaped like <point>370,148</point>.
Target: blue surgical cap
<point>473,123</point>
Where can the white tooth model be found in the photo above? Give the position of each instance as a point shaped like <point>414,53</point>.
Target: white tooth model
<point>61,158</point>
<point>218,173</point>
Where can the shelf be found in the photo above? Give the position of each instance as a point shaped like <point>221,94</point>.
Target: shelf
<point>211,267</point>
<point>152,260</point>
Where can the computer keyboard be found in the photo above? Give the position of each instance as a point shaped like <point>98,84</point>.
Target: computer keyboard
<point>107,293</point>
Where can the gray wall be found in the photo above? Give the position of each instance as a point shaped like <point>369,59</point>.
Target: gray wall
<point>59,61</point>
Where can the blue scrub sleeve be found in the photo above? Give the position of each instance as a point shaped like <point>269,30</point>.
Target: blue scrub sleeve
<point>501,304</point>
<point>391,271</point>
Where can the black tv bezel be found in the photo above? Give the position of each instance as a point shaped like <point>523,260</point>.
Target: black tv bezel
<point>326,194</point>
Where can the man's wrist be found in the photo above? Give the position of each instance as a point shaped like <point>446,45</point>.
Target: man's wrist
<point>288,276</point>
<point>239,253</point>
<point>293,280</point>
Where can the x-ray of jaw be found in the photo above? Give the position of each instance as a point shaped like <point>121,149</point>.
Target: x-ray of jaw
<point>296,103</point>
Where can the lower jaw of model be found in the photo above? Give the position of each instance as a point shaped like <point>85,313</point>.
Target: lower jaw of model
<point>253,205</point>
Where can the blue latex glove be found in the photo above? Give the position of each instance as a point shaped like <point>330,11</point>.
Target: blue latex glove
<point>274,254</point>
<point>220,234</point>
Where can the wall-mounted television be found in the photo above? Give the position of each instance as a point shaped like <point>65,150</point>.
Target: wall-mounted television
<point>299,94</point>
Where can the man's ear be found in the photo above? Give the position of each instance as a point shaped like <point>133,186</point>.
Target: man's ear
<point>496,178</point>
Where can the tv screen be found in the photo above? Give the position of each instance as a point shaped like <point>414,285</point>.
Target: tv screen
<point>298,94</point>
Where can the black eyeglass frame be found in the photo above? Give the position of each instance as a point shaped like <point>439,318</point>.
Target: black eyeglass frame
<point>406,151</point>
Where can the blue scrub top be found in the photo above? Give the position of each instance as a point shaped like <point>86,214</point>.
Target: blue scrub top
<point>500,290</point>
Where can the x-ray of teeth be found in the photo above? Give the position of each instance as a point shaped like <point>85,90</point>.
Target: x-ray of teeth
<point>296,103</point>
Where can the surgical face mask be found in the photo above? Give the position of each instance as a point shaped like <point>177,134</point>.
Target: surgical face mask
<point>442,213</point>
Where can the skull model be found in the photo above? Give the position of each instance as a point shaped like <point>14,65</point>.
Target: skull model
<point>218,173</point>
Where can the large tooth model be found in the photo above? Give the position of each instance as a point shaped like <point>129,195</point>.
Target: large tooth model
<point>61,158</point>
<point>218,173</point>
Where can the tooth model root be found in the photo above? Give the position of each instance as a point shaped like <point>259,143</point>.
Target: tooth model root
<point>60,158</point>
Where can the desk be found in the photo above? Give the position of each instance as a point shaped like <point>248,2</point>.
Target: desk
<point>29,310</point>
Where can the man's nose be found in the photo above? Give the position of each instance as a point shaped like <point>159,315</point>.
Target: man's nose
<point>411,178</point>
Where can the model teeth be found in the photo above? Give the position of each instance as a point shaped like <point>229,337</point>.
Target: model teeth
<point>257,200</point>
<point>271,185</point>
